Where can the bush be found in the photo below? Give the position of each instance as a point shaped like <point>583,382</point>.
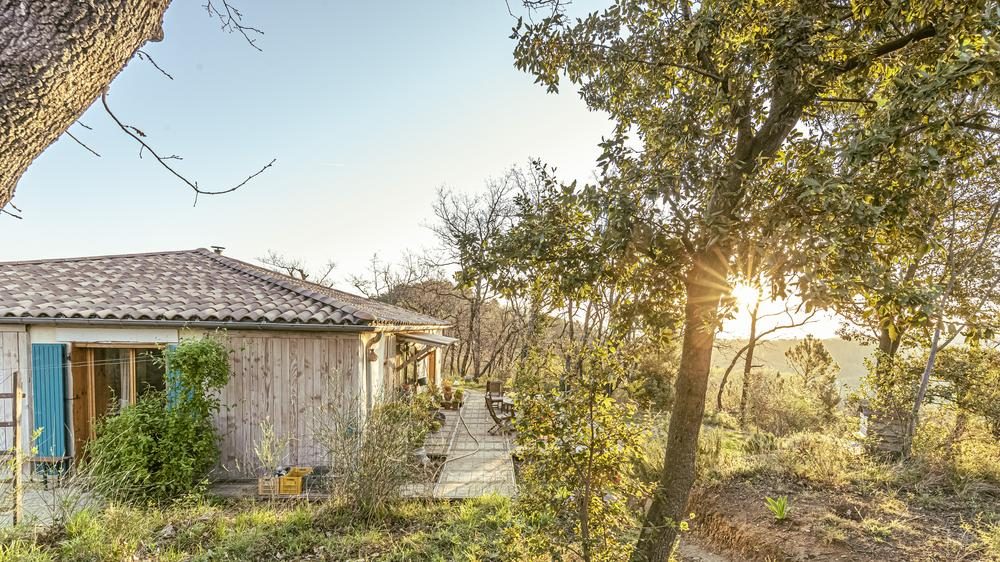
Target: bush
<point>149,452</point>
<point>818,457</point>
<point>780,405</point>
<point>580,448</point>
<point>372,455</point>
<point>163,446</point>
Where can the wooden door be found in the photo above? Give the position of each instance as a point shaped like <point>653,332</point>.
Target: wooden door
<point>81,373</point>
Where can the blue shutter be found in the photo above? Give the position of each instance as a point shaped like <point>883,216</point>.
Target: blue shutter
<point>173,383</point>
<point>48,393</point>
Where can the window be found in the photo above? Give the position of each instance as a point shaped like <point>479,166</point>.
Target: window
<point>150,374</point>
<point>107,377</point>
<point>118,376</point>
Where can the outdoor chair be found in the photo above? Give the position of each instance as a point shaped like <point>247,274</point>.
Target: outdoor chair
<point>501,421</point>
<point>494,393</point>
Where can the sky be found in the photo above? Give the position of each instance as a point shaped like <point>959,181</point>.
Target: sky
<point>368,107</point>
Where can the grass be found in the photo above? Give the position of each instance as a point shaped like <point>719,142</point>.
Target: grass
<point>219,531</point>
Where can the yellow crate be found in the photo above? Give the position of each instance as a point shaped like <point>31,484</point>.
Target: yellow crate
<point>299,471</point>
<point>279,486</point>
<point>289,485</point>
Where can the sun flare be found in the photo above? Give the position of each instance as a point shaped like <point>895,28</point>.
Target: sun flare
<point>745,295</point>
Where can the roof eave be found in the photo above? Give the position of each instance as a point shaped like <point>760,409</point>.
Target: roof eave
<point>192,324</point>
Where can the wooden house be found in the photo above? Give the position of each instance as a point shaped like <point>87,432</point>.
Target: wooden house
<point>79,338</point>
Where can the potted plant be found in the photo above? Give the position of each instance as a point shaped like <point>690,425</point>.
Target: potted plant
<point>448,391</point>
<point>459,396</point>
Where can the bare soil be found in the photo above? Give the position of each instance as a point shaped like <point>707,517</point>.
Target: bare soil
<point>832,524</point>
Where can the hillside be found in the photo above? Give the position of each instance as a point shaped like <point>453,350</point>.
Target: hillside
<point>849,355</point>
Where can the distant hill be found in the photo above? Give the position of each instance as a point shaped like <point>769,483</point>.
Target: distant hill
<point>849,355</point>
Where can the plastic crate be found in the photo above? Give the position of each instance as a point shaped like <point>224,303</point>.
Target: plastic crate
<point>289,485</point>
<point>279,486</point>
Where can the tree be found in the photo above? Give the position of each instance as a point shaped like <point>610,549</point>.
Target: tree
<point>811,361</point>
<point>757,338</point>
<point>59,57</point>
<point>816,371</point>
<point>297,268</point>
<point>925,290</point>
<point>581,448</point>
<point>722,112</point>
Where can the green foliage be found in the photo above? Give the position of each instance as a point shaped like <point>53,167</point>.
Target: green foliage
<point>778,507</point>
<point>989,541</point>
<point>579,448</point>
<point>161,448</point>
<point>970,379</point>
<point>760,442</point>
<point>651,384</point>
<point>816,371</point>
<point>819,457</point>
<point>197,367</point>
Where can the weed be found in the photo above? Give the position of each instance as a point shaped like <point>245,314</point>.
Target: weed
<point>778,507</point>
<point>877,529</point>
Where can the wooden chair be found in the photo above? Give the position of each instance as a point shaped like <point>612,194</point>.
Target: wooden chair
<point>494,393</point>
<point>501,421</point>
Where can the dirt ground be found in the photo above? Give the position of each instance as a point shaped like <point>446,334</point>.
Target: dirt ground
<point>830,525</point>
<point>691,551</point>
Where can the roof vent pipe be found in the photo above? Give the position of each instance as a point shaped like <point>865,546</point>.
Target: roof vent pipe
<point>218,249</point>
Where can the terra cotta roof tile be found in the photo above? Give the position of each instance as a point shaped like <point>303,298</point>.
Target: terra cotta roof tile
<point>183,286</point>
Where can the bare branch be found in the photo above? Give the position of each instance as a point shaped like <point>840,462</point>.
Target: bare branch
<point>137,134</point>
<point>80,142</point>
<point>232,21</point>
<point>862,101</point>
<point>143,55</point>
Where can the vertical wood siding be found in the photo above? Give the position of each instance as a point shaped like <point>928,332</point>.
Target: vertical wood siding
<point>288,378</point>
<point>14,361</point>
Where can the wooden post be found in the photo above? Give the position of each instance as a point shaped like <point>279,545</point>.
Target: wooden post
<point>18,513</point>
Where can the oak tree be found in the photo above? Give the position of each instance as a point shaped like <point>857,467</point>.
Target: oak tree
<point>734,117</point>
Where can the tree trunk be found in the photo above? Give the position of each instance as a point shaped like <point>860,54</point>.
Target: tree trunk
<point>925,379</point>
<point>705,286</point>
<point>58,56</point>
<point>748,364</point>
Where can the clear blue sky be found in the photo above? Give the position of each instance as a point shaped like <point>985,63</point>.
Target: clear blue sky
<point>369,108</point>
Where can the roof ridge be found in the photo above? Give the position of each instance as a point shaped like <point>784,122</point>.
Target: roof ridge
<point>275,278</point>
<point>102,257</point>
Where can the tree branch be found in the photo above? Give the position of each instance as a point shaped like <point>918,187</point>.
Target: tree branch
<point>137,135</point>
<point>143,55</point>
<point>232,21</point>
<point>888,47</point>
<point>79,142</point>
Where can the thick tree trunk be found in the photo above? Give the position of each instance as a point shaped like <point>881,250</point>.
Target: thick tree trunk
<point>705,286</point>
<point>57,57</point>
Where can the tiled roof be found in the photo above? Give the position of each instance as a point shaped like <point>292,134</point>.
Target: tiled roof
<point>187,286</point>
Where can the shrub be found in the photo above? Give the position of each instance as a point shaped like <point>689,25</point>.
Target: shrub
<point>760,442</point>
<point>372,455</point>
<point>818,457</point>
<point>780,405</point>
<point>580,447</point>
<point>164,445</point>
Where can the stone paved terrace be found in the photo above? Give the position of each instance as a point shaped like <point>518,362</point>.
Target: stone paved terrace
<point>477,463</point>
